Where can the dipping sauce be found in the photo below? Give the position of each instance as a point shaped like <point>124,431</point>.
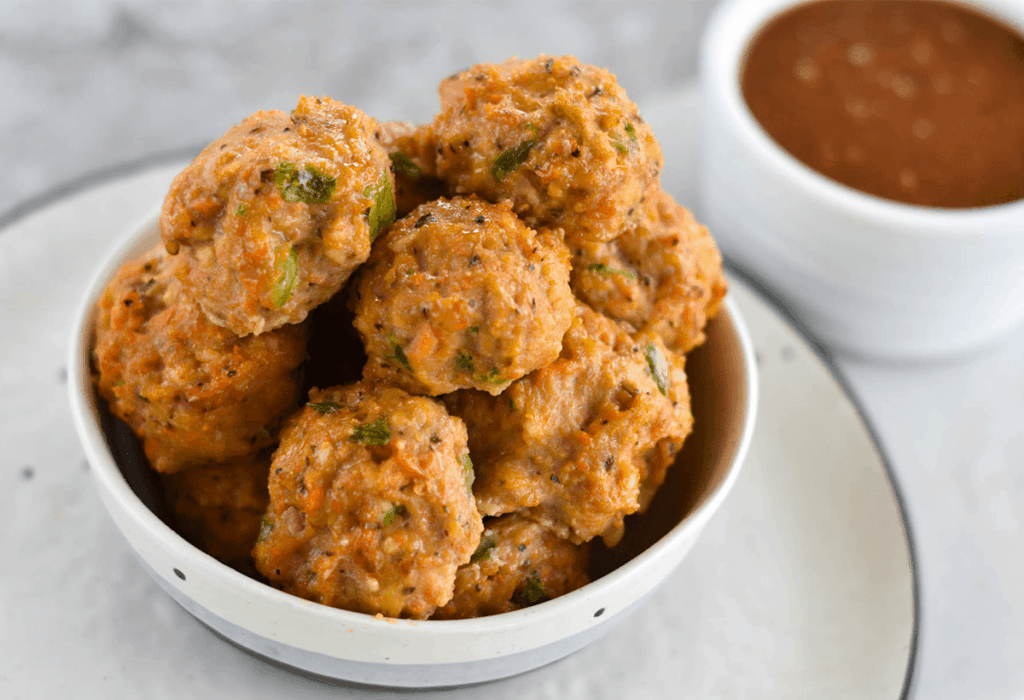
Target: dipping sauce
<point>917,101</point>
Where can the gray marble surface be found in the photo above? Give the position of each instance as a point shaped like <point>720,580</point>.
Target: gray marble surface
<point>89,85</point>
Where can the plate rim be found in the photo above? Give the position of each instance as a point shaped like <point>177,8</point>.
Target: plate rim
<point>137,166</point>
<point>828,359</point>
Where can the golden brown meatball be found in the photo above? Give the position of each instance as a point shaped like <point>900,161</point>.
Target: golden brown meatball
<point>370,503</point>
<point>664,274</point>
<point>194,392</point>
<point>219,508</point>
<point>412,150</point>
<point>272,218</point>
<point>558,138</point>
<point>581,443</point>
<point>461,294</point>
<point>518,564</point>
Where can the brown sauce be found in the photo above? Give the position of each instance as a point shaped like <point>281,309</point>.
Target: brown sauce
<point>917,101</point>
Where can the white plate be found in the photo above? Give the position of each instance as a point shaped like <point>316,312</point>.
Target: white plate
<point>803,585</point>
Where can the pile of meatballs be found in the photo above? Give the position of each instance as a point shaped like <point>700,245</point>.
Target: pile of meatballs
<point>413,370</point>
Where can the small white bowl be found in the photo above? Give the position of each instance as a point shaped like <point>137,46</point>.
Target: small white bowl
<point>360,648</point>
<point>867,275</point>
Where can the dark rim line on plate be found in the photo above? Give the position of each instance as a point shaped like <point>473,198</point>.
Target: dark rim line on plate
<point>121,170</point>
<point>828,359</point>
<point>32,204</point>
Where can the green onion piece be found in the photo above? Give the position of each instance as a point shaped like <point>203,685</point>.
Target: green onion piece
<point>404,165</point>
<point>287,276</point>
<point>464,361</point>
<point>605,270</point>
<point>482,552</point>
<point>241,210</point>
<point>325,406</point>
<point>619,146</point>
<point>266,525</point>
<point>263,434</point>
<point>631,131</point>
<point>492,377</point>
<point>657,367</point>
<point>382,213</point>
<point>376,433</point>
<point>120,382</point>
<point>474,329</point>
<point>467,472</point>
<point>399,355</point>
<point>514,157</point>
<point>307,184</point>
<point>532,593</point>
<point>511,404</point>
<point>393,513</point>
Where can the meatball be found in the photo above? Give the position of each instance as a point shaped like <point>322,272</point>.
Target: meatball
<point>195,393</point>
<point>664,274</point>
<point>581,443</point>
<point>461,294</point>
<point>518,564</point>
<point>558,138</point>
<point>272,218</point>
<point>370,503</point>
<point>412,150</point>
<point>219,508</point>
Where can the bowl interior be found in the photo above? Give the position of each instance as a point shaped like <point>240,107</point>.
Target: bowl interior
<point>721,378</point>
<point>720,394</point>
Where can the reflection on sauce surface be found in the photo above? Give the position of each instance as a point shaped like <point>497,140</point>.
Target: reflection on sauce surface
<point>917,101</point>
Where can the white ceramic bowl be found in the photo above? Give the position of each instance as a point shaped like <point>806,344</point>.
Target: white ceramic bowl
<point>363,649</point>
<point>867,275</point>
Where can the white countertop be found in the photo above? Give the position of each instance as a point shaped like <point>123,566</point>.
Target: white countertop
<point>87,87</point>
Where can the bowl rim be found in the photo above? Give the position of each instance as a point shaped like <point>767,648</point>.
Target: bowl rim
<point>733,27</point>
<point>110,480</point>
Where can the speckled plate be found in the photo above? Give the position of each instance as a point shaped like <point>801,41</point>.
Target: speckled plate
<point>803,586</point>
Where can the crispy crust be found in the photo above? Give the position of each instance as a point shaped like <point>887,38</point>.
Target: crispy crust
<point>519,563</point>
<point>252,259</point>
<point>375,528</point>
<point>592,157</point>
<point>581,443</point>
<point>461,294</point>
<point>664,274</point>
<point>218,508</point>
<point>194,392</point>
